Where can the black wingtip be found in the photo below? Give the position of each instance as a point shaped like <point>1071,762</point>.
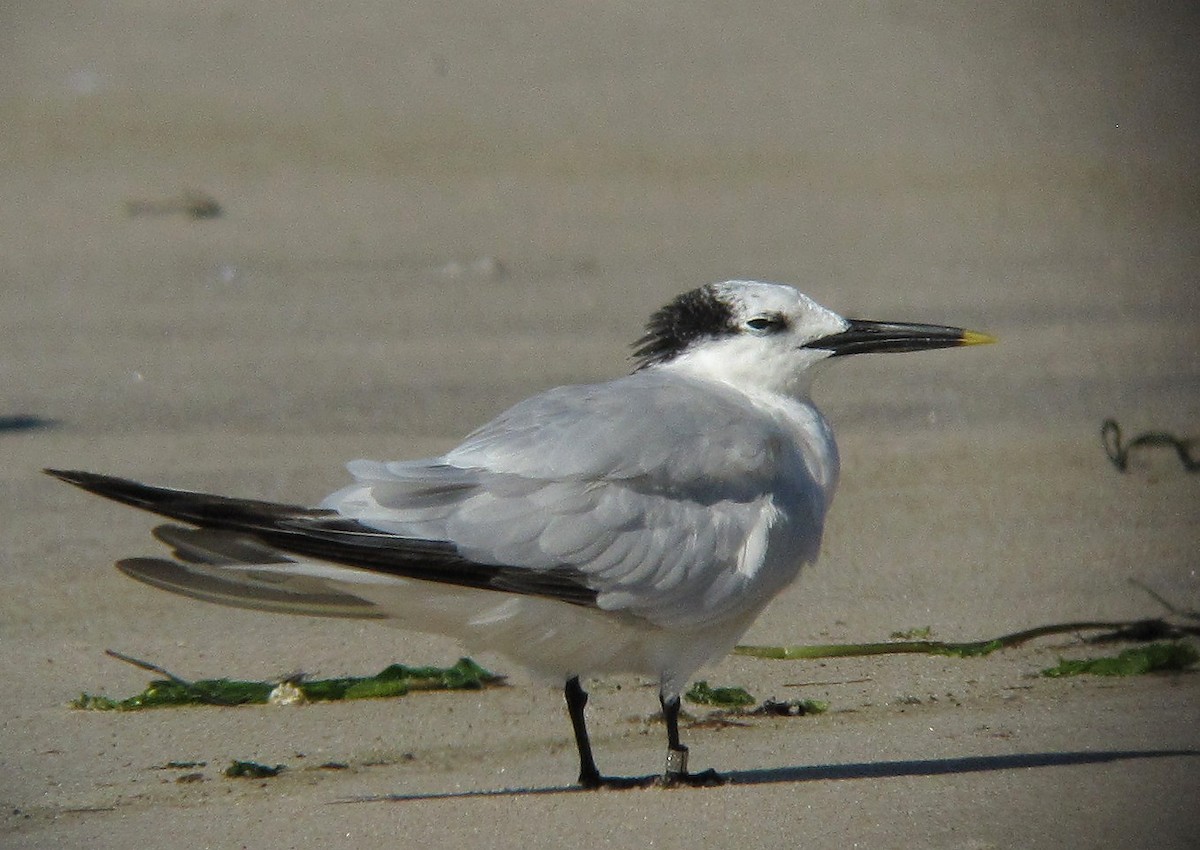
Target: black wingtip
<point>185,505</point>
<point>161,500</point>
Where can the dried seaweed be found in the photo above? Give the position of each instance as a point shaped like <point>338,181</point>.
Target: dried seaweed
<point>702,694</point>
<point>737,701</point>
<point>252,770</point>
<point>1136,661</point>
<point>1118,451</point>
<point>395,680</point>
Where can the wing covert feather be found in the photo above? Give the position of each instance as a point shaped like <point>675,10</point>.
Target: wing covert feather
<point>676,434</point>
<point>652,490</point>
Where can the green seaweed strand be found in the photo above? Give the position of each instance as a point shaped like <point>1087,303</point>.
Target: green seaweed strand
<point>970,649</point>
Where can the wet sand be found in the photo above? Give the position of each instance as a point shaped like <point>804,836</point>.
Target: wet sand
<point>430,212</point>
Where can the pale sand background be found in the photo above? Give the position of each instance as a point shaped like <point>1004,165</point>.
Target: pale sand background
<point>434,209</point>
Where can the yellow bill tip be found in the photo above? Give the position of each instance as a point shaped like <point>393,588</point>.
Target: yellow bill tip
<point>976,338</point>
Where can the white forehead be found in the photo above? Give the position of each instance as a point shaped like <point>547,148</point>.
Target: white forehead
<point>755,296</point>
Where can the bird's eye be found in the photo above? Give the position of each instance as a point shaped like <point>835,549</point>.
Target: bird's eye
<point>766,324</point>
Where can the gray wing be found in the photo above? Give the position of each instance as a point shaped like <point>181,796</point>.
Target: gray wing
<point>662,495</point>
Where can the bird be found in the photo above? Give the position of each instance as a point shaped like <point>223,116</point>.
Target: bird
<point>635,526</point>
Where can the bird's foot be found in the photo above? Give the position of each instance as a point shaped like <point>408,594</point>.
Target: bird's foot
<point>674,776</point>
<point>676,772</point>
<point>704,779</point>
<point>617,783</point>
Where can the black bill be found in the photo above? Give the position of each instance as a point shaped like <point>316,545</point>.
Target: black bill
<point>866,337</point>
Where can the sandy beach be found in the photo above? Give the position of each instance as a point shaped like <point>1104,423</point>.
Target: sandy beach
<point>428,212</point>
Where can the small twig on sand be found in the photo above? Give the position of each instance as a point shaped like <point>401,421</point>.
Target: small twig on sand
<point>146,665</point>
<point>1161,600</point>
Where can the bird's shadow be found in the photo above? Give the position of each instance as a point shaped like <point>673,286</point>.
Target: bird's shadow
<point>852,770</point>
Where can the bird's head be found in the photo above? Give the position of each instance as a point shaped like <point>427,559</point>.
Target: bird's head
<point>768,336</point>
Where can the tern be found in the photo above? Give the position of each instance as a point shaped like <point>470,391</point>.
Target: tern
<point>634,526</point>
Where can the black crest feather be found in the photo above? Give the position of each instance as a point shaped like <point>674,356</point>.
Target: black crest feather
<point>691,316</point>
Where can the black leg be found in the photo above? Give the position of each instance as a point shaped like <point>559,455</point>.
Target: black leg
<point>589,776</point>
<point>677,753</point>
<point>676,771</point>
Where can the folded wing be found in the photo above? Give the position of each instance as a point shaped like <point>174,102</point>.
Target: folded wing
<point>643,496</point>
